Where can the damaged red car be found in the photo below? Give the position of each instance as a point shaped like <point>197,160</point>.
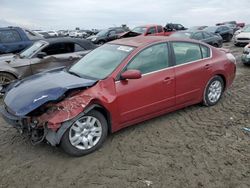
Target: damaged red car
<point>119,84</point>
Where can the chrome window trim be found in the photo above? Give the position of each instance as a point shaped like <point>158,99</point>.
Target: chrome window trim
<point>210,57</point>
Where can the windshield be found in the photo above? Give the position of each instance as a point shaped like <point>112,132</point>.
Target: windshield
<point>140,30</point>
<point>101,62</point>
<point>27,53</point>
<point>211,29</point>
<point>102,33</point>
<point>246,29</point>
<point>181,34</point>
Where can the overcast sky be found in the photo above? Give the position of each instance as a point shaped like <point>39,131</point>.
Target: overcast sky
<point>68,14</point>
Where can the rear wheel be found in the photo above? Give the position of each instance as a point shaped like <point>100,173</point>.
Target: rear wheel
<point>85,135</point>
<point>213,91</point>
<point>6,78</point>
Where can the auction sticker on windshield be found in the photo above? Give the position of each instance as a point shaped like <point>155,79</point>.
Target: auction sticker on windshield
<point>125,48</point>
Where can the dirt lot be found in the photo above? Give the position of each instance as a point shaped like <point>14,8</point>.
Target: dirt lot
<point>193,147</point>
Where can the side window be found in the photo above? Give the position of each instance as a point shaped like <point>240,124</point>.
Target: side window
<point>206,35</point>
<point>78,48</point>
<point>9,36</point>
<point>198,36</point>
<point>151,59</point>
<point>151,30</point>
<point>112,33</point>
<point>119,31</point>
<point>205,51</point>
<point>59,48</point>
<point>186,52</point>
<point>159,29</point>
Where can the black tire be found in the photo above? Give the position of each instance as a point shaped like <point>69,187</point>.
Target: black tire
<point>72,150</point>
<point>101,42</point>
<point>5,78</point>
<point>206,100</point>
<point>216,45</point>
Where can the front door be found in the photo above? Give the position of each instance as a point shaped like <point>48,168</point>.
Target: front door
<point>154,91</point>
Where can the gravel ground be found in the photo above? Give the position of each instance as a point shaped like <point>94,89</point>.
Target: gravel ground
<point>193,147</point>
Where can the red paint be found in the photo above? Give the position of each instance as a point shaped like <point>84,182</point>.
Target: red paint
<point>135,100</point>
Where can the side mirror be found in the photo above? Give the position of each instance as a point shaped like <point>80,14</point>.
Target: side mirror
<point>41,55</point>
<point>131,74</point>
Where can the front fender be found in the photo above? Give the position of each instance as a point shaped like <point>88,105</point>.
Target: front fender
<point>8,69</point>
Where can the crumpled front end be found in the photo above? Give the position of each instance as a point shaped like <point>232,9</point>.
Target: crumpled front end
<point>47,118</point>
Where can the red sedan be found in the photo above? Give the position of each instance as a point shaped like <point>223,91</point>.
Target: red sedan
<point>119,84</point>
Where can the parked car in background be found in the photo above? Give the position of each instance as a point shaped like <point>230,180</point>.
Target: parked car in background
<point>225,32</point>
<point>43,55</point>
<point>100,93</point>
<point>63,33</point>
<point>197,27</point>
<point>79,34</point>
<point>44,34</point>
<point>53,33</point>
<point>240,25</point>
<point>15,39</point>
<point>106,35</point>
<point>246,55</point>
<point>147,30</point>
<point>174,27</point>
<point>209,38</point>
<point>243,37</point>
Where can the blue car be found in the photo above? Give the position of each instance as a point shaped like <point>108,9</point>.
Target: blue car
<point>15,39</point>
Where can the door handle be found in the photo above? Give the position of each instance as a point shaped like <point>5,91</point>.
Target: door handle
<point>207,66</point>
<point>167,80</point>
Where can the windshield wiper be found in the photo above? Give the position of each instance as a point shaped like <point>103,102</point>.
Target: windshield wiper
<point>73,73</point>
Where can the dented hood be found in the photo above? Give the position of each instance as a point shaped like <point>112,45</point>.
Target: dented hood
<point>24,96</point>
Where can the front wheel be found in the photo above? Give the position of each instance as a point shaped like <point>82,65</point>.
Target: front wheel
<point>85,135</point>
<point>6,78</point>
<point>213,91</point>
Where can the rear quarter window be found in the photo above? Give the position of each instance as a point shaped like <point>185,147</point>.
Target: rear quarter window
<point>159,29</point>
<point>186,52</point>
<point>205,51</point>
<point>9,36</point>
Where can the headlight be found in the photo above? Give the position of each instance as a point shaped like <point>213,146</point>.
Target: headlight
<point>93,39</point>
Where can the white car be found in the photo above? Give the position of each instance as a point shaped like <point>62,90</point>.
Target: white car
<point>53,33</point>
<point>78,34</point>
<point>243,36</point>
<point>246,55</point>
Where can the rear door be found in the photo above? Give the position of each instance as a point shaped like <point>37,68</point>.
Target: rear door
<point>192,71</point>
<point>60,54</point>
<point>154,91</point>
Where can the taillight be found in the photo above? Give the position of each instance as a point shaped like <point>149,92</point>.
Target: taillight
<point>231,58</point>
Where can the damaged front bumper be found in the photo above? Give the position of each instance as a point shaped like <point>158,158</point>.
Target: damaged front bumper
<point>24,125</point>
<point>11,119</point>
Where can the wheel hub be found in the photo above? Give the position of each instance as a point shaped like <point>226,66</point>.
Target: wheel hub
<point>85,132</point>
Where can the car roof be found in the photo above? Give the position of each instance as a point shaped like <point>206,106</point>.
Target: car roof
<point>146,40</point>
<point>82,42</point>
<point>149,25</point>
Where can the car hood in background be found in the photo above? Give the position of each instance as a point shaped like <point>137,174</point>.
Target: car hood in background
<point>7,57</point>
<point>243,35</point>
<point>129,34</point>
<point>24,96</point>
